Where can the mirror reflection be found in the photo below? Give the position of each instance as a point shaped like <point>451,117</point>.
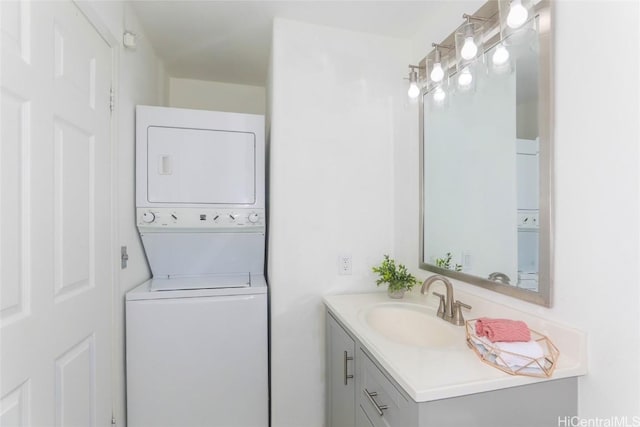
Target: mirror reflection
<point>482,167</point>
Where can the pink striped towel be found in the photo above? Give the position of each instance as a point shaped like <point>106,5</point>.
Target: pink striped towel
<point>504,330</point>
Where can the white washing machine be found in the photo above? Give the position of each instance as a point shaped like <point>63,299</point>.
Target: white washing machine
<point>196,333</point>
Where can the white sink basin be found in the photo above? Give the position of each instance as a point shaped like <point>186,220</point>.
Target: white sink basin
<point>413,325</point>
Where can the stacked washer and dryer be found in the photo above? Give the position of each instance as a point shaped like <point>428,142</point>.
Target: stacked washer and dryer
<point>196,333</point>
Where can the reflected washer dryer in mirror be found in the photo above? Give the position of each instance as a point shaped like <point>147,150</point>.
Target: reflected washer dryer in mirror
<point>197,331</point>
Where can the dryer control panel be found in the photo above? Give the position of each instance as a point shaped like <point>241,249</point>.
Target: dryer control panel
<point>200,219</point>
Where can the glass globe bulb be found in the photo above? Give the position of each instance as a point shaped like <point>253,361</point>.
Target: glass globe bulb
<point>465,78</point>
<point>469,49</point>
<point>517,14</point>
<point>439,95</point>
<point>437,73</point>
<point>500,55</point>
<point>413,91</point>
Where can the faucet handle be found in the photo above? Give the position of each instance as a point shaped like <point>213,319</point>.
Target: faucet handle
<point>458,318</point>
<point>442,304</point>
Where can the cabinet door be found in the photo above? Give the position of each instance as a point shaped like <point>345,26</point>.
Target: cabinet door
<point>340,383</point>
<point>362,420</point>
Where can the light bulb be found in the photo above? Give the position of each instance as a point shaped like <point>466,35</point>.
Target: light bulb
<point>469,48</point>
<point>437,73</point>
<point>500,55</point>
<point>439,95</point>
<point>465,78</point>
<point>413,91</point>
<point>517,14</point>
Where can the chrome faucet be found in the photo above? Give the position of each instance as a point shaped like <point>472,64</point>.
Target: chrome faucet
<point>447,310</point>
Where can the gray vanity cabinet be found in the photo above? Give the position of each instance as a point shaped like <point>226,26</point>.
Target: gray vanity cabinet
<point>535,405</point>
<point>341,390</point>
<point>374,399</point>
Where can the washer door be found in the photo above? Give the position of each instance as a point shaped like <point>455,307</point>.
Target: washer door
<point>173,254</point>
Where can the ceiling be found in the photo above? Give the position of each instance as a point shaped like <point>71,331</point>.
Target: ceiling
<point>230,41</point>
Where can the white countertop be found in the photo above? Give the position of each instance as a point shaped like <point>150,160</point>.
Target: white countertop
<point>427,374</point>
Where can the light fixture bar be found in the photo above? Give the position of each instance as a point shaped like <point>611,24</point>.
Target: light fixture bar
<point>477,28</point>
<point>476,18</point>
<point>443,46</point>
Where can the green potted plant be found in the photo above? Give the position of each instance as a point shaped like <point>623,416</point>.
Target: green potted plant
<point>446,263</point>
<point>397,278</point>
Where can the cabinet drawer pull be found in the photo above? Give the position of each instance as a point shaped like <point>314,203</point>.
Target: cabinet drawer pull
<point>346,376</point>
<point>371,395</point>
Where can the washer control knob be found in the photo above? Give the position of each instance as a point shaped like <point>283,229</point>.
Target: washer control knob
<point>253,217</point>
<point>148,217</point>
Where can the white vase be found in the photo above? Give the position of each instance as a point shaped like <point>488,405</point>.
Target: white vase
<point>396,294</point>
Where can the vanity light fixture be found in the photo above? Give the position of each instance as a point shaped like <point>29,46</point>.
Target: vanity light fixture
<point>414,89</point>
<point>469,48</point>
<point>518,14</point>
<point>467,41</point>
<point>437,69</point>
<point>437,73</point>
<point>470,36</point>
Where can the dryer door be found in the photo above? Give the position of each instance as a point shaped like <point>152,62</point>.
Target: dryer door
<point>200,166</point>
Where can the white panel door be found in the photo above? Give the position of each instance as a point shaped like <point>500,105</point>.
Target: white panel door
<point>55,229</point>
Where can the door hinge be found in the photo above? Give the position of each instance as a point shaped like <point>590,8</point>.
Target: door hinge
<point>112,100</point>
<point>113,421</point>
<point>124,257</point>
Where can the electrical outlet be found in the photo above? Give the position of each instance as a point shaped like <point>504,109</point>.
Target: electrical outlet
<point>466,260</point>
<point>344,265</point>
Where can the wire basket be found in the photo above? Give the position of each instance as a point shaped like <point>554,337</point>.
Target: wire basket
<point>492,355</point>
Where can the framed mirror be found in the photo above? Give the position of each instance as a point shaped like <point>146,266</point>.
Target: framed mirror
<point>486,163</point>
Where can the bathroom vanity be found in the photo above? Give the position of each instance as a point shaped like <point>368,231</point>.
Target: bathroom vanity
<point>377,379</point>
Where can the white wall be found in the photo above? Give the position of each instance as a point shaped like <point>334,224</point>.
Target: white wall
<point>139,80</point>
<point>337,109</point>
<point>216,96</point>
<point>597,228</point>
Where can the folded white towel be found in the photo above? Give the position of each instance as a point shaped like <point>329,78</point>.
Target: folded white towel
<point>531,349</point>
